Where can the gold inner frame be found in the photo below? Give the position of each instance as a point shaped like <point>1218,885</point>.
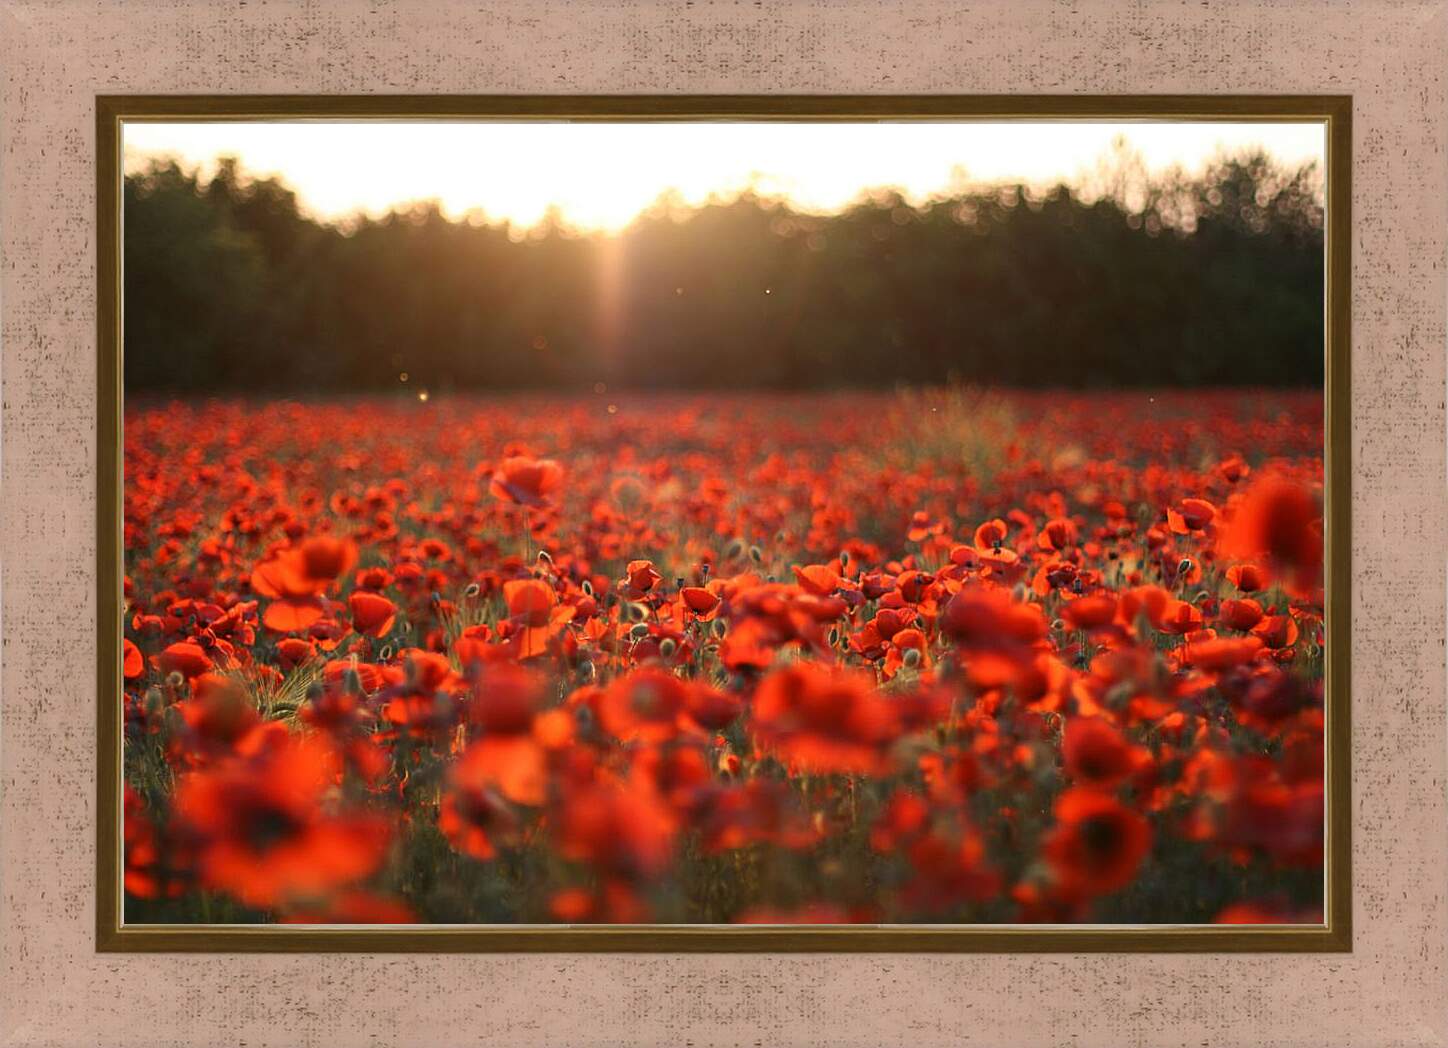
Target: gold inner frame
<point>1335,934</point>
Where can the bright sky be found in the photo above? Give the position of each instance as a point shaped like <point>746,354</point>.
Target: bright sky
<point>600,176</point>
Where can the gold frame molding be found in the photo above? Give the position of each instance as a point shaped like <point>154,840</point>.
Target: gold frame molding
<point>1335,934</point>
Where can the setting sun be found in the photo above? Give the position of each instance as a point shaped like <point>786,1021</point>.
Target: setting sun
<point>600,176</point>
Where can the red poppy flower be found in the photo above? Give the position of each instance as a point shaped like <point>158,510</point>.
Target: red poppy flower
<point>1239,614</point>
<point>133,665</point>
<point>1090,613</point>
<point>818,579</point>
<point>642,577</point>
<point>293,651</point>
<point>472,815</point>
<point>1096,754</point>
<point>533,606</point>
<point>526,481</point>
<point>1179,617</point>
<point>1249,578</point>
<point>265,836</point>
<point>822,720</point>
<point>623,829</point>
<point>990,535</point>
<point>372,613</point>
<point>184,657</point>
<point>1279,519</point>
<point>1190,515</point>
<point>1098,844</point>
<point>699,600</point>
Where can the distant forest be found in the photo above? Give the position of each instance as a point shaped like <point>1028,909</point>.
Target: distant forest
<point>1210,280</point>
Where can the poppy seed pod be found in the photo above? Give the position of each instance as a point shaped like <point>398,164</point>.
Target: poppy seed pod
<point>667,647</point>
<point>639,630</point>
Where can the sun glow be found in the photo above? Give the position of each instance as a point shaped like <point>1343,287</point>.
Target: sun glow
<point>601,176</point>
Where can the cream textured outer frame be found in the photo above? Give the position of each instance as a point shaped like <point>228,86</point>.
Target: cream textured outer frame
<point>56,57</point>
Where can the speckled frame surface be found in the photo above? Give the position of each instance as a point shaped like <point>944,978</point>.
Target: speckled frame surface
<point>56,57</point>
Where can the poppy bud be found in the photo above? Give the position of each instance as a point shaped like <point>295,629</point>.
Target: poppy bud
<point>587,587</point>
<point>912,657</point>
<point>352,681</point>
<point>734,549</point>
<point>1185,566</point>
<point>639,630</point>
<point>472,591</point>
<point>720,627</point>
<point>705,568</point>
<point>667,647</point>
<point>155,701</point>
<point>314,691</point>
<point>586,672</point>
<point>770,578</point>
<point>834,636</point>
<point>1058,624</point>
<point>756,554</point>
<point>679,582</point>
<point>637,612</point>
<point>544,557</point>
<point>844,558</point>
<point>385,653</point>
<point>174,679</point>
<point>434,598</point>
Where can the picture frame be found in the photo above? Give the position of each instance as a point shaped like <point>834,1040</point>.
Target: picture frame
<point>58,989</point>
<point>1334,112</point>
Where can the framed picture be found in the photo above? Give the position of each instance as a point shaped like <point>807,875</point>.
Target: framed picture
<point>728,523</point>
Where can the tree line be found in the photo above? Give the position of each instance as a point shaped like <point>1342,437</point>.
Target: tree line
<point>1217,279</point>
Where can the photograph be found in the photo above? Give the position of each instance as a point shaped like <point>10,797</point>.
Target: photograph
<point>693,522</point>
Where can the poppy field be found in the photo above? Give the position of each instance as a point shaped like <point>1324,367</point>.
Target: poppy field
<point>948,655</point>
